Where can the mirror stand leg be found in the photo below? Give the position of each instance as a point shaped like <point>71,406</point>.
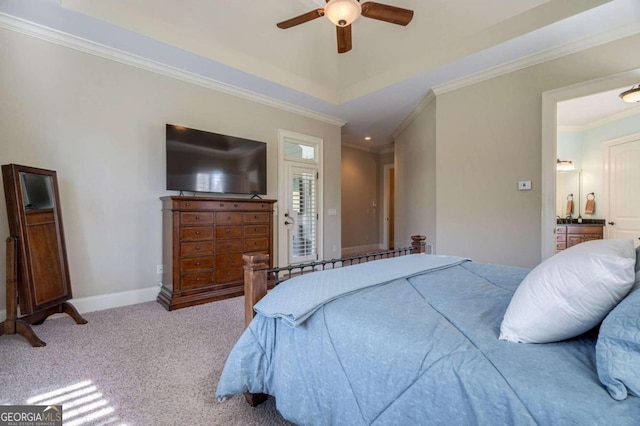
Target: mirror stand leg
<point>23,329</point>
<point>70,310</point>
<point>39,317</point>
<point>13,324</point>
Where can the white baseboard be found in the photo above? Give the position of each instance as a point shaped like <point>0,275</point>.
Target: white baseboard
<point>108,301</point>
<point>349,251</point>
<point>115,300</point>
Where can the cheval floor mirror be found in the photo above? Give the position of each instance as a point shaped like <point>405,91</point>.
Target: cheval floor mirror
<point>37,269</point>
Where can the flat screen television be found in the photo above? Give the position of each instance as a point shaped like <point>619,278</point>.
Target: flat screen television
<point>202,161</point>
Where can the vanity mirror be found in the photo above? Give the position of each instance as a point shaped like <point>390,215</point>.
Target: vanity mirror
<point>37,269</point>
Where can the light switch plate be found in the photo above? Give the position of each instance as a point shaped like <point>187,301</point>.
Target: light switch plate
<point>524,185</point>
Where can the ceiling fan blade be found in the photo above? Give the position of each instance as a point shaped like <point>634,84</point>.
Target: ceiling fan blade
<point>344,38</point>
<point>384,12</point>
<point>306,17</point>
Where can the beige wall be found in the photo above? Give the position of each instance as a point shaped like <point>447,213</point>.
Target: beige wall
<point>415,168</point>
<point>100,125</point>
<point>488,137</point>
<point>360,190</point>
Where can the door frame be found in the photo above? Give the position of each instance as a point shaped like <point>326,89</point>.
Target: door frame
<point>549,143</point>
<point>607,145</point>
<point>281,230</point>
<point>386,203</point>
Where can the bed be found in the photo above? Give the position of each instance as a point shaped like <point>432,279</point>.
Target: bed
<point>420,339</point>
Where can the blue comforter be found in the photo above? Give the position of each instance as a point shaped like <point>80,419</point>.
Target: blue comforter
<point>422,349</point>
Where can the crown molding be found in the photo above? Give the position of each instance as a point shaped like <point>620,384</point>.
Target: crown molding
<point>603,121</point>
<point>570,129</point>
<point>386,149</point>
<point>51,35</point>
<point>538,58</point>
<point>358,147</point>
<point>377,150</point>
<point>426,100</point>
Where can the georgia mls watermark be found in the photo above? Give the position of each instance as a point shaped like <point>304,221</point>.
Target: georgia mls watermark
<point>30,415</point>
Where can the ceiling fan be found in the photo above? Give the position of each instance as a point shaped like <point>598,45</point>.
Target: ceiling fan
<point>343,12</point>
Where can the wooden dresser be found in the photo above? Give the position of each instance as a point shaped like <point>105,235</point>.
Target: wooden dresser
<point>570,235</point>
<point>203,241</point>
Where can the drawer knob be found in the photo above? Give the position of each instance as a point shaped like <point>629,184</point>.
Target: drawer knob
<point>197,247</point>
<point>228,274</point>
<point>228,231</point>
<point>197,263</point>
<point>197,217</point>
<point>197,232</point>
<point>235,205</point>
<point>187,204</point>
<point>255,229</point>
<point>228,217</point>
<point>221,204</point>
<point>255,217</point>
<point>198,279</point>
<point>228,245</point>
<point>255,243</point>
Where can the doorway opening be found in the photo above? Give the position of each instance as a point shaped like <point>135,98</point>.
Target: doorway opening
<point>550,102</point>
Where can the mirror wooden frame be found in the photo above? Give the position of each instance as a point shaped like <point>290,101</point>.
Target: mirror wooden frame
<point>37,268</point>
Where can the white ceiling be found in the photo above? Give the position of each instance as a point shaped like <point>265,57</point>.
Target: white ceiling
<point>595,109</point>
<point>372,88</point>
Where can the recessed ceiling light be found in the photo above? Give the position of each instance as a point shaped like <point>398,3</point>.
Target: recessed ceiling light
<point>367,138</point>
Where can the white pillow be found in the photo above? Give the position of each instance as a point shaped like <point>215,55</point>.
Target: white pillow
<point>570,292</point>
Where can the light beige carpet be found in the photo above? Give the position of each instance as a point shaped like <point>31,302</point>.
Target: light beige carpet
<point>135,365</point>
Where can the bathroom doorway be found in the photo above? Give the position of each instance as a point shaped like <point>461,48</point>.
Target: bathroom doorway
<point>550,129</point>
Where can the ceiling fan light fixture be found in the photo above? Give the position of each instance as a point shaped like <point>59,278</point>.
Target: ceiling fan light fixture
<point>632,95</point>
<point>342,12</point>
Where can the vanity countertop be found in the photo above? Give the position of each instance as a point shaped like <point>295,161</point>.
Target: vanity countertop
<point>574,221</point>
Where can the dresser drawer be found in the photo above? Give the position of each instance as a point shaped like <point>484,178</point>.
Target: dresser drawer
<point>239,206</point>
<point>197,205</point>
<point>561,237</point>
<point>228,231</point>
<point>561,245</point>
<point>255,217</point>
<point>561,229</point>
<point>196,264</point>
<point>191,218</point>
<point>196,280</point>
<point>255,244</point>
<point>231,205</point>
<point>229,274</point>
<point>196,248</point>
<point>229,246</point>
<point>251,230</point>
<point>227,218</point>
<point>196,233</point>
<point>584,230</point>
<point>230,260</point>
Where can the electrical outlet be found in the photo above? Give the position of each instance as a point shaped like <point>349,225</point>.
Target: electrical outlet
<point>524,185</point>
<point>159,269</point>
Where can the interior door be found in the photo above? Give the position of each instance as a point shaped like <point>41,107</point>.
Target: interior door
<point>624,192</point>
<point>301,214</point>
